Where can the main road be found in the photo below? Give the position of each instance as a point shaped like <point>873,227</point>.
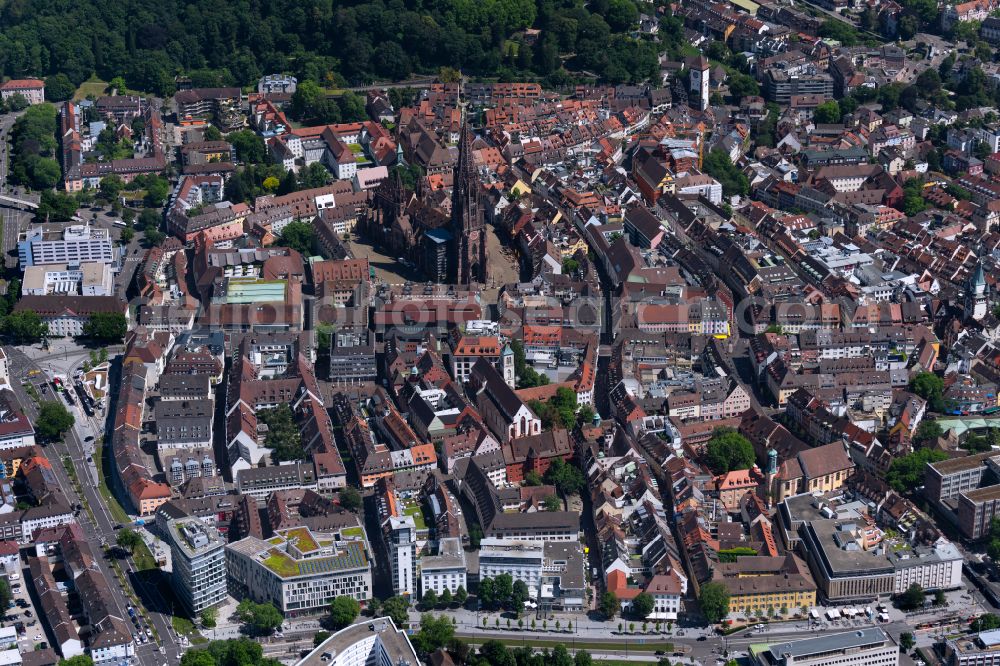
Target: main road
<point>100,530</point>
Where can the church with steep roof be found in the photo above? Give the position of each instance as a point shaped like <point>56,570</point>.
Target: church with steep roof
<point>445,238</point>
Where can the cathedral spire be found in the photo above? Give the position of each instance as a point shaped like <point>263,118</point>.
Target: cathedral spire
<point>467,210</point>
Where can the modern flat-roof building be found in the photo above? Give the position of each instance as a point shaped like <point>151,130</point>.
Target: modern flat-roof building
<point>982,649</point>
<point>949,478</point>
<point>199,563</point>
<point>400,536</point>
<point>446,570</point>
<point>553,571</point>
<point>372,643</point>
<point>864,647</point>
<point>299,571</point>
<point>976,510</point>
<point>72,246</point>
<point>842,567</point>
<point>89,279</point>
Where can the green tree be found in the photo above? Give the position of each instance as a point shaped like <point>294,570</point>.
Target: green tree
<point>552,503</point>
<point>608,605</point>
<point>397,608</point>
<point>430,599</point>
<point>566,477</point>
<point>519,595</point>
<point>313,176</point>
<point>58,88</point>
<point>109,327</point>
<point>80,659</point>
<point>320,637</point>
<point>212,133</point>
<point>153,237</point>
<point>495,653</point>
<point>461,596</point>
<point>350,498</point>
<point>503,587</point>
<point>906,641</point>
<point>930,387</point>
<point>56,207</point>
<point>45,173</point>
<point>642,605</point>
<point>912,598</point>
<point>585,415</point>
<point>299,236</point>
<point>260,619</point>
<point>906,473</point>
<point>435,632</point>
<point>128,539</point>
<point>5,593</point>
<point>284,437</point>
<point>827,113</point>
<point>714,601</point>
<point>939,598</point>
<point>249,146</point>
<point>742,85</point>
<point>209,617</point>
<point>840,31</point>
<point>24,327</point>
<point>127,235</point>
<point>719,166</point>
<point>53,420</point>
<point>446,599</point>
<point>929,429</point>
<point>157,190</point>
<point>343,611</point>
<point>985,622</point>
<point>728,450</point>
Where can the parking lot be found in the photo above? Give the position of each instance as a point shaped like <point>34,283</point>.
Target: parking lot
<point>23,615</point>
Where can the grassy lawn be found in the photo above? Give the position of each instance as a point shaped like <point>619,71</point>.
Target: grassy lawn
<point>413,509</point>
<point>182,625</point>
<point>92,87</point>
<point>352,532</point>
<point>143,558</point>
<point>281,564</point>
<point>117,512</point>
<point>651,644</point>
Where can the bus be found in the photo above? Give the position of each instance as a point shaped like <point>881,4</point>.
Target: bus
<point>120,223</point>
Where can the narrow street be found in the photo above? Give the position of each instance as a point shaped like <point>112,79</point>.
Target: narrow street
<point>103,532</point>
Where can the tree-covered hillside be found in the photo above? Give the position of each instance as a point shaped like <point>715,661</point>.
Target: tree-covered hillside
<point>222,42</point>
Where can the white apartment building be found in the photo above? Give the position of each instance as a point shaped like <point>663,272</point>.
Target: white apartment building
<point>553,571</point>
<point>370,643</point>
<point>863,647</point>
<point>400,534</point>
<point>932,568</point>
<point>298,571</point>
<point>75,245</point>
<point>90,279</point>
<point>199,564</point>
<point>446,570</point>
<point>521,559</point>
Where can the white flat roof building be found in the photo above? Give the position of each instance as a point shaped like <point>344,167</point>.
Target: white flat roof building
<point>863,647</point>
<point>374,643</point>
